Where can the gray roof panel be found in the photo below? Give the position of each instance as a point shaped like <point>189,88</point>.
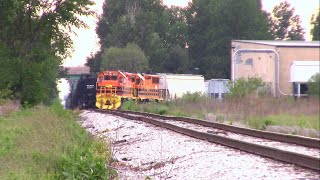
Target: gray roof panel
<point>280,43</point>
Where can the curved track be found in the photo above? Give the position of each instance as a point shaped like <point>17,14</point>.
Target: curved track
<point>270,152</point>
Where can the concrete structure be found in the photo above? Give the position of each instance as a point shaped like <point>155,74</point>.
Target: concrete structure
<point>272,60</point>
<point>74,73</point>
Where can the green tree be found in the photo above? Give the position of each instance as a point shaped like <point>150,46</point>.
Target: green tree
<point>314,85</point>
<point>177,61</point>
<point>130,58</point>
<point>34,37</point>
<point>94,62</point>
<point>153,27</point>
<point>315,31</point>
<point>284,25</point>
<point>212,26</point>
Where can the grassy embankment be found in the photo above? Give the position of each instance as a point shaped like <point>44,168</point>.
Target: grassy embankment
<point>47,143</point>
<point>281,115</point>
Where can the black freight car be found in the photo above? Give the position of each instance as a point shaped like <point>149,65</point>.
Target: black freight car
<point>84,96</point>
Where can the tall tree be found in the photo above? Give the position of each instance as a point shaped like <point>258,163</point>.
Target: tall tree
<point>130,59</point>
<point>212,26</point>
<point>177,60</point>
<point>33,39</point>
<point>284,25</point>
<point>315,31</point>
<point>147,23</point>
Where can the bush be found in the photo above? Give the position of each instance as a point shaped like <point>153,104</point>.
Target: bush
<point>193,97</point>
<point>130,105</point>
<point>261,123</point>
<point>247,86</point>
<point>156,108</point>
<point>314,85</point>
<point>47,143</point>
<point>5,93</point>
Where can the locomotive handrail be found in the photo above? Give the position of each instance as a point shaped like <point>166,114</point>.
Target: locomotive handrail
<point>123,74</point>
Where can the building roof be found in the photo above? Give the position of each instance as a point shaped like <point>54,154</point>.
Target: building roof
<point>78,70</point>
<point>282,43</point>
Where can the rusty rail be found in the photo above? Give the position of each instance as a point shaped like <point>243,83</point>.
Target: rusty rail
<point>281,155</point>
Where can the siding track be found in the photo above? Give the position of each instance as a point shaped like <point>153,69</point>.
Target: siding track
<point>170,123</point>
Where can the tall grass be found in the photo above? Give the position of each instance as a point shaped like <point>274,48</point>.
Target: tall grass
<point>47,143</point>
<point>252,111</point>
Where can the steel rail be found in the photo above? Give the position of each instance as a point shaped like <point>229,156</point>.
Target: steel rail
<point>269,152</point>
<point>287,138</point>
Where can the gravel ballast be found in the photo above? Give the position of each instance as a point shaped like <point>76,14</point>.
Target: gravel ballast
<point>142,150</point>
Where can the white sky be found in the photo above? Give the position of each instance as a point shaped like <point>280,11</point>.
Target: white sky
<point>86,40</point>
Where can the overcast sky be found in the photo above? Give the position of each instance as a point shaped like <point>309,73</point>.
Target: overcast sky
<point>86,40</point>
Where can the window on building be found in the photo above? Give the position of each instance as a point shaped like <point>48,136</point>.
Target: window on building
<point>249,61</point>
<point>300,88</point>
<point>303,88</point>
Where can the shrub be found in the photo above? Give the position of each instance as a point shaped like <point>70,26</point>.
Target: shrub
<point>5,93</point>
<point>193,97</point>
<point>47,143</point>
<point>130,105</point>
<point>260,123</point>
<point>314,85</point>
<point>247,86</point>
<point>156,108</point>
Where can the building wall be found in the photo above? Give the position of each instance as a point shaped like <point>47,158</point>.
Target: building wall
<point>263,64</point>
<point>289,54</point>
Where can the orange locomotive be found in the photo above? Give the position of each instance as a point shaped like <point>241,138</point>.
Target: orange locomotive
<point>115,86</point>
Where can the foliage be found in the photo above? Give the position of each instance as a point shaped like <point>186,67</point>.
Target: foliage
<point>156,108</point>
<point>94,62</point>
<point>282,114</point>
<point>177,60</point>
<point>247,86</point>
<point>283,120</point>
<point>315,31</point>
<point>33,39</point>
<point>284,25</point>
<point>47,143</point>
<point>314,85</point>
<point>155,28</point>
<point>130,105</point>
<point>5,93</point>
<point>212,26</point>
<point>196,97</point>
<point>260,123</point>
<point>130,59</point>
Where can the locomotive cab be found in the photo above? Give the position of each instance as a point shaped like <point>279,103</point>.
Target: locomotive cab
<point>110,89</point>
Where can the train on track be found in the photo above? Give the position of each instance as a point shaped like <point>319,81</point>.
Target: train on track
<point>112,87</point>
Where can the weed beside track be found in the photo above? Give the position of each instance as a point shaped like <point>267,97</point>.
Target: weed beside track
<point>47,143</point>
<point>284,114</point>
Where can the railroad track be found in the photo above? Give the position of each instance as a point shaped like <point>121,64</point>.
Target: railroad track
<point>264,143</point>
